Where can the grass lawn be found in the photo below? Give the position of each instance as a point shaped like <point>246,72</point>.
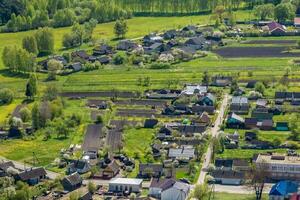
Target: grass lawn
<point>138,141</point>
<point>45,151</point>
<point>6,110</point>
<point>229,196</point>
<point>183,173</point>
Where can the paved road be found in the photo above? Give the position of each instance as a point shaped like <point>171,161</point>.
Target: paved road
<point>214,133</point>
<point>22,166</point>
<point>239,189</point>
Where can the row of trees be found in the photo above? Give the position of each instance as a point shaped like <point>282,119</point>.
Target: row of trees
<point>182,6</point>
<point>79,34</point>
<point>32,14</point>
<point>23,59</point>
<point>281,12</point>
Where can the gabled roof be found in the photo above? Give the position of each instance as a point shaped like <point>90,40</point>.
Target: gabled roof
<point>182,152</point>
<point>228,174</point>
<point>163,184</point>
<point>195,41</point>
<point>237,117</point>
<point>113,166</point>
<point>32,173</point>
<point>73,179</point>
<point>5,165</point>
<point>274,25</point>
<point>239,100</point>
<point>284,188</point>
<point>153,167</point>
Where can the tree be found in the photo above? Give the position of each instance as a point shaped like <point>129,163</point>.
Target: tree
<point>31,87</point>
<point>6,96</point>
<point>284,11</point>
<point>219,11</point>
<point>91,187</point>
<point>30,44</point>
<point>35,116</point>
<point>119,59</point>
<point>51,93</point>
<point>53,67</point>
<point>45,41</point>
<point>264,11</point>
<point>206,78</point>
<point>260,87</point>
<point>120,28</point>
<point>25,114</point>
<point>257,178</point>
<point>200,192</point>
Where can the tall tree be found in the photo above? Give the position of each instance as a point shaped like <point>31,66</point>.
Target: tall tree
<point>257,178</point>
<point>29,44</point>
<point>31,87</point>
<point>120,28</point>
<point>284,12</point>
<point>45,41</point>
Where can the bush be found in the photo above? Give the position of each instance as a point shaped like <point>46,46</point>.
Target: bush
<point>6,96</point>
<point>25,114</point>
<point>160,66</point>
<point>119,59</point>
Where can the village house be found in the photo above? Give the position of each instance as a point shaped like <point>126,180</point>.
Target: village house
<point>178,191</point>
<point>207,100</point>
<point>102,49</point>
<point>198,109</point>
<point>182,153</point>
<point>80,54</point>
<point>221,81</point>
<point>158,185</point>
<point>125,184</point>
<point>280,167</point>
<point>228,177</point>
<point>276,29</point>
<point>150,123</point>
<point>4,166</point>
<point>111,170</point>
<point>126,45</point>
<point>191,89</point>
<point>80,166</point>
<point>235,121</point>
<point>239,105</point>
<point>297,22</point>
<point>282,126</point>
<point>60,59</point>
<point>77,66</point>
<point>149,170</point>
<point>71,182</point>
<point>32,176</point>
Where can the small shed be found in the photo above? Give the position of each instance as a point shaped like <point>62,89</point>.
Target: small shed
<point>282,126</point>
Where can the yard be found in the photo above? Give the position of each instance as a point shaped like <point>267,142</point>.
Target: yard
<point>228,196</point>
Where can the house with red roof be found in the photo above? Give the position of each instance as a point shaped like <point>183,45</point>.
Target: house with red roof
<point>297,22</point>
<point>275,28</point>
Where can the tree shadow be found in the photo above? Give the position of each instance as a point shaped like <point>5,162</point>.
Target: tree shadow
<point>8,73</point>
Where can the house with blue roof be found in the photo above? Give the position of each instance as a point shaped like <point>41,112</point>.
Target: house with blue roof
<point>283,190</point>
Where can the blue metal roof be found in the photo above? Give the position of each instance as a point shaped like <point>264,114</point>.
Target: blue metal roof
<point>284,188</point>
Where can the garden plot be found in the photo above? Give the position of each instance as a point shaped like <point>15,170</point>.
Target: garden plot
<point>284,42</point>
<point>92,139</point>
<point>119,124</point>
<point>113,94</point>
<point>131,102</point>
<point>114,140</point>
<point>245,52</point>
<point>137,112</point>
<point>96,113</point>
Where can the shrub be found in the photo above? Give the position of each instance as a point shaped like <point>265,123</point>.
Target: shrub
<point>25,114</point>
<point>119,59</point>
<point>6,96</point>
<point>160,66</point>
